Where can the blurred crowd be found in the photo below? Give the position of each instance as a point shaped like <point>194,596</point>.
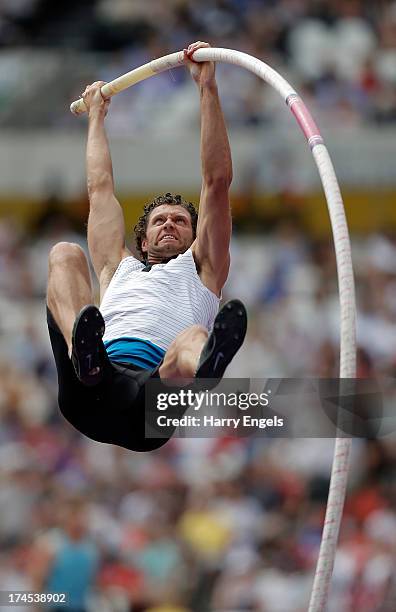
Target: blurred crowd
<point>339,54</point>
<point>202,524</point>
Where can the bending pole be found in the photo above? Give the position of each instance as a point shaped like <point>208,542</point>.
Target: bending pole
<point>339,472</point>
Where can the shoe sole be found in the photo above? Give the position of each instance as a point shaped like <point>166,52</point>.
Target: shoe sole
<point>87,353</point>
<point>225,340</point>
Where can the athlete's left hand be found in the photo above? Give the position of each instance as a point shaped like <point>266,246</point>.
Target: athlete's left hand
<point>203,73</point>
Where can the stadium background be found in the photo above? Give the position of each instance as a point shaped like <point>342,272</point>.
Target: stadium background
<point>201,524</point>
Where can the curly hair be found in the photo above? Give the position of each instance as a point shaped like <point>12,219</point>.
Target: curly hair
<point>175,200</point>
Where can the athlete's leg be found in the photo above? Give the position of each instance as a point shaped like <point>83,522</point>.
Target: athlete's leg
<point>181,359</point>
<point>69,286</point>
<point>195,354</point>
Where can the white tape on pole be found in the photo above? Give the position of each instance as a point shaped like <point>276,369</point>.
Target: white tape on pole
<point>339,473</point>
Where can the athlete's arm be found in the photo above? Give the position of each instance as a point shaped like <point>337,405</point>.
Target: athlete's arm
<point>106,227</point>
<point>211,248</point>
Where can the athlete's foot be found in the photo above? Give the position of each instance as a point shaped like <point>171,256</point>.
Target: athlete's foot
<point>225,340</point>
<point>88,354</point>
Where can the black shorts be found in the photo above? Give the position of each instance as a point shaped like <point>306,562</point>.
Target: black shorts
<point>112,411</point>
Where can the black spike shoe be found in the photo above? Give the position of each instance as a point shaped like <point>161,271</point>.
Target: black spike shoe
<point>88,351</point>
<point>225,340</point>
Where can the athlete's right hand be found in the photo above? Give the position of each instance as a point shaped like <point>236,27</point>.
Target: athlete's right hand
<point>93,98</point>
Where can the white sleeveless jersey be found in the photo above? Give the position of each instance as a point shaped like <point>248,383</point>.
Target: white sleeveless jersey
<point>159,304</point>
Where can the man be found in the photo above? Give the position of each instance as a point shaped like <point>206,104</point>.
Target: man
<point>65,559</point>
<point>154,316</point>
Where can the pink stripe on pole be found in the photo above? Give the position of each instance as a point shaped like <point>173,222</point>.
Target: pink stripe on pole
<point>304,120</point>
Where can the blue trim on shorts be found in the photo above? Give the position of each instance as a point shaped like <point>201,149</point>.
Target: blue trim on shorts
<point>142,353</point>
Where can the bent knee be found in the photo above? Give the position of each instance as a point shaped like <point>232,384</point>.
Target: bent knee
<point>177,362</point>
<point>65,253</point>
<point>184,338</point>
<point>193,332</point>
<point>198,329</point>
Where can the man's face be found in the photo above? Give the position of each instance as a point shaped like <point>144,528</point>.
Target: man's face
<point>169,231</point>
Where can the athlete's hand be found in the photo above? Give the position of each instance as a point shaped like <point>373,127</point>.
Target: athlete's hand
<point>203,73</point>
<point>94,100</point>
